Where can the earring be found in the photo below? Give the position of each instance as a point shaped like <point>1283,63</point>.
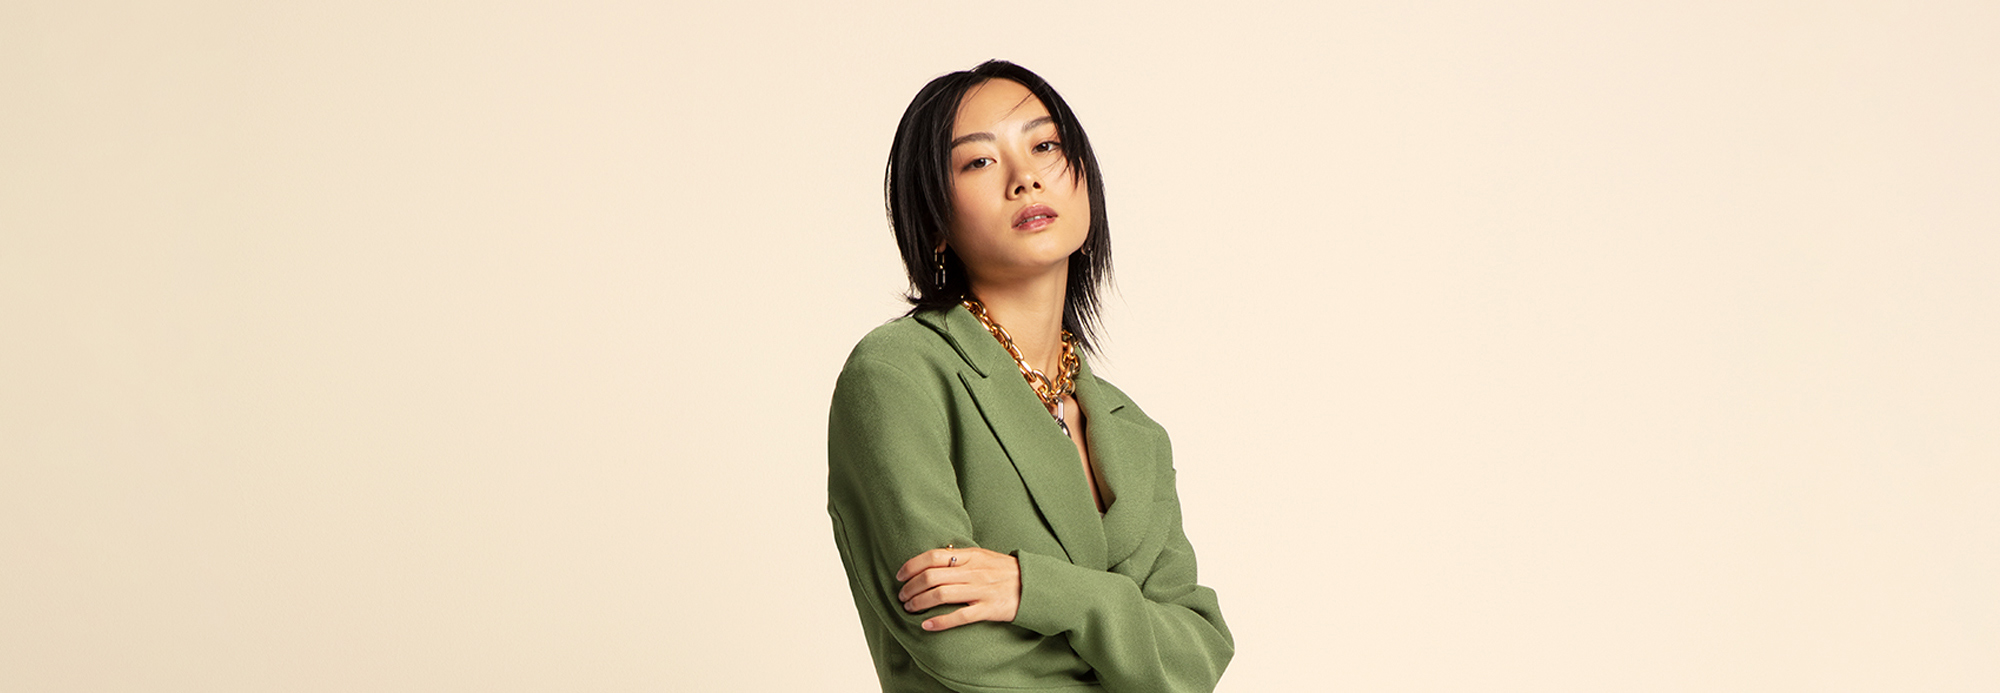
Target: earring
<point>938,257</point>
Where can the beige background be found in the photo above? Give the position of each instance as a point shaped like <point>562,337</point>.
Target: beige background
<point>1518,346</point>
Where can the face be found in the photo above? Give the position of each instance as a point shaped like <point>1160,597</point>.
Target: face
<point>1018,208</point>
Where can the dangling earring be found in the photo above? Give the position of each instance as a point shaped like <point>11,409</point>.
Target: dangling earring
<point>938,256</point>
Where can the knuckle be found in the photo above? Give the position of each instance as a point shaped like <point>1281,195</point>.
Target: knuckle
<point>971,613</point>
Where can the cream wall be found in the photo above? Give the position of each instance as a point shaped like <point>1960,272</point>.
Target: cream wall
<point>1522,346</point>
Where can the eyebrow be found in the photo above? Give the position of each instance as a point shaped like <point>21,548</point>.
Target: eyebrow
<point>988,137</point>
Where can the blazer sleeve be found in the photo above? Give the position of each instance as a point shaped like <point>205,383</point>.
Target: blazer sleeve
<point>893,493</point>
<point>1164,633</point>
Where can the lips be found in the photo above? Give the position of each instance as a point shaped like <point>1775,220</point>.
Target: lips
<point>1033,217</point>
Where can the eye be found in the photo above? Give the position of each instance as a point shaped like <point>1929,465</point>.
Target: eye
<point>981,162</point>
<point>1048,146</point>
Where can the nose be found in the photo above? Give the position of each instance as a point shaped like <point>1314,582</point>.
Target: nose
<point>1024,181</point>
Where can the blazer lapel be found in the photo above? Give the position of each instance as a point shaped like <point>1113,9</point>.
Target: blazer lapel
<point>1123,451</point>
<point>1045,459</point>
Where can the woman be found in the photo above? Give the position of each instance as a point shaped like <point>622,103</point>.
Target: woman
<point>984,467</point>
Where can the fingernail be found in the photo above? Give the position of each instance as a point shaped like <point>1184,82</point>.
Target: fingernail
<point>930,625</point>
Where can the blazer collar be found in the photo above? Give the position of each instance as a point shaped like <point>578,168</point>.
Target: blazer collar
<point>958,328</point>
<point>1123,449</point>
<point>1120,446</point>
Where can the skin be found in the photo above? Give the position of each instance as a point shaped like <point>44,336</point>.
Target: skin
<point>1007,156</point>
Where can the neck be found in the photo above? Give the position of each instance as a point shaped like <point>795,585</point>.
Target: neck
<point>1032,312</point>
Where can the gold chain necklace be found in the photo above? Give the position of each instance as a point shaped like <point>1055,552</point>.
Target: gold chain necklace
<point>1051,392</point>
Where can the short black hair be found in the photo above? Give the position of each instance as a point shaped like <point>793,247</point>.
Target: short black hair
<point>917,188</point>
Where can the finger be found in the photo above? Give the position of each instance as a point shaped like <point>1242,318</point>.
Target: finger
<point>970,614</point>
<point>930,579</point>
<point>948,594</point>
<point>915,566</point>
<point>921,562</point>
<point>950,556</point>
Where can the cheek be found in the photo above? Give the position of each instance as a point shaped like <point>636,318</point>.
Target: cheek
<point>968,207</point>
<point>1069,184</point>
<point>1078,198</point>
<point>961,205</point>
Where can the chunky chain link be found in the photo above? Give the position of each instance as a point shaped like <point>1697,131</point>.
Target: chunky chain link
<point>1051,392</point>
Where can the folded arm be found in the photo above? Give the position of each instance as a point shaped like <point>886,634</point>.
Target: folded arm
<point>893,495</point>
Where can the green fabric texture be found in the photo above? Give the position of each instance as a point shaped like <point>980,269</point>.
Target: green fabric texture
<point>935,439</point>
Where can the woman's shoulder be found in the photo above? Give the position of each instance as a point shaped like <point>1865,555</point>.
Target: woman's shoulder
<point>899,336</point>
<point>912,344</point>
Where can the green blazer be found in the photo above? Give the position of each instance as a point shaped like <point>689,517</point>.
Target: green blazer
<point>934,438</point>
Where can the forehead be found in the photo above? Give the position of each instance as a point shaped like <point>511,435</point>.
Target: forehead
<point>993,103</point>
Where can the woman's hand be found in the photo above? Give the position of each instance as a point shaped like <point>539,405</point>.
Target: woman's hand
<point>987,583</point>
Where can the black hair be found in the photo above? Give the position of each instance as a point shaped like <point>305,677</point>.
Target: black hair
<point>917,188</point>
